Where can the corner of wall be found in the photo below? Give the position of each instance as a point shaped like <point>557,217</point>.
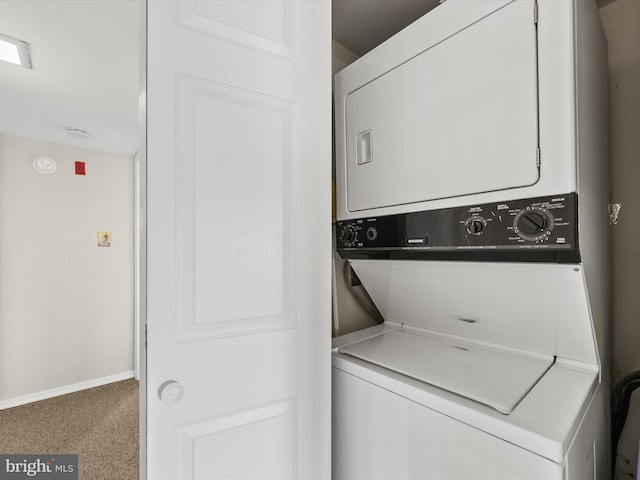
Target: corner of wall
<point>341,56</point>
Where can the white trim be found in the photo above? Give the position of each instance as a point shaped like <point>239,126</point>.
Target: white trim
<point>141,248</point>
<point>138,235</point>
<point>54,392</point>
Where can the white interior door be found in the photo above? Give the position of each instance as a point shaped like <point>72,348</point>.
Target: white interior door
<point>238,212</point>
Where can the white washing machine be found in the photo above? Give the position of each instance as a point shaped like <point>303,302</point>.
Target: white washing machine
<point>472,191</point>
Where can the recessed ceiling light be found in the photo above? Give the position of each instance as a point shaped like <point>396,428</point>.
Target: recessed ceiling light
<point>14,51</point>
<point>77,133</point>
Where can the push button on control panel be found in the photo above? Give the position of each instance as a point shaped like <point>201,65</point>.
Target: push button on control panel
<point>416,241</point>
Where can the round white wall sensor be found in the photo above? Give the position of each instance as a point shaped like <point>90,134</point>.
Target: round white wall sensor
<point>44,164</point>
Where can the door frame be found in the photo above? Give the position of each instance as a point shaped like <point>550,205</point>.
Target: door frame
<point>140,198</point>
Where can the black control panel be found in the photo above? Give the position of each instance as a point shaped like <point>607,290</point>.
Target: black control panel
<point>543,229</point>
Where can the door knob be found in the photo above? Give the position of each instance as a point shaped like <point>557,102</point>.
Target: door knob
<point>171,392</point>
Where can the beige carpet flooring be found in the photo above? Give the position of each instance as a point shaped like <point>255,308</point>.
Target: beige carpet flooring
<point>99,424</point>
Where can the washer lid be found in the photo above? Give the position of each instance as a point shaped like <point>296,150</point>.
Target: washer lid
<point>530,307</point>
<point>495,376</point>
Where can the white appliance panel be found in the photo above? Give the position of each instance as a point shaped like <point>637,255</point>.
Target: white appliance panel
<point>443,123</point>
<point>556,75</point>
<point>541,308</point>
<point>392,438</point>
<point>496,377</point>
<point>544,422</point>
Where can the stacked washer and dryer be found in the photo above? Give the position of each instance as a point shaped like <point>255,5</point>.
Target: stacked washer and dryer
<point>472,193</point>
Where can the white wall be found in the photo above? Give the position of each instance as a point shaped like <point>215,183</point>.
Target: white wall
<point>621,21</point>
<point>622,25</point>
<point>66,305</point>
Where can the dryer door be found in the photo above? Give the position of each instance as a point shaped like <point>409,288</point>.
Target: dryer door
<point>459,118</point>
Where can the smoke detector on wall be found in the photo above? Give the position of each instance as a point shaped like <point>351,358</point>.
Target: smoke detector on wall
<point>44,164</point>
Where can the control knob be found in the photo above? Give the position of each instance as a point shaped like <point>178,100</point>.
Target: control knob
<point>349,235</point>
<point>475,225</point>
<point>533,224</point>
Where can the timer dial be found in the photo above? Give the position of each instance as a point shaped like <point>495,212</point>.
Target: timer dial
<point>533,224</point>
<point>349,236</point>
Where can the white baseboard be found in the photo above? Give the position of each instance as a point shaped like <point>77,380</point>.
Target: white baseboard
<point>54,392</point>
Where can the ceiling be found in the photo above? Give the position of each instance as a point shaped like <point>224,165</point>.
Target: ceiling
<point>85,57</point>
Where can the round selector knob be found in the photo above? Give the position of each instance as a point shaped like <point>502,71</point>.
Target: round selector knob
<point>533,224</point>
<point>475,225</point>
<point>349,236</point>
